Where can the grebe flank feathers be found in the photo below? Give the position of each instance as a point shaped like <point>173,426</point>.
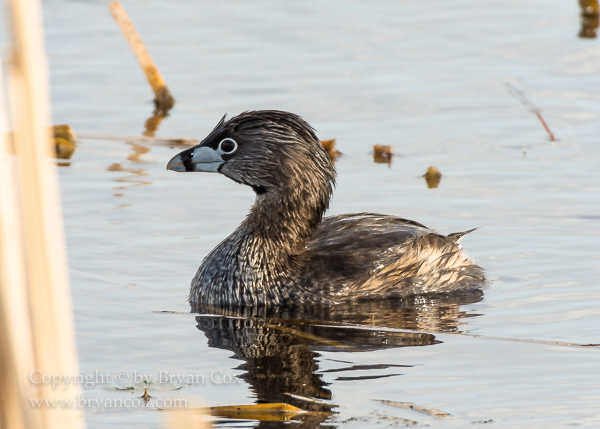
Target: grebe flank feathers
<point>284,252</point>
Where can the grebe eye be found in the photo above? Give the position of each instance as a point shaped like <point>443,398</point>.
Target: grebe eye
<point>228,145</point>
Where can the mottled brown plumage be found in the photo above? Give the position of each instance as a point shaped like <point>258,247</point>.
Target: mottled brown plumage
<point>285,252</point>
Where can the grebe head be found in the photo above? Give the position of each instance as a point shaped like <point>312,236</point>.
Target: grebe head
<point>271,151</point>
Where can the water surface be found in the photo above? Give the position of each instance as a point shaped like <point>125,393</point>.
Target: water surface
<point>430,80</point>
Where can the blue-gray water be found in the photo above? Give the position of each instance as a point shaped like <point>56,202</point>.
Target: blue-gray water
<point>428,78</point>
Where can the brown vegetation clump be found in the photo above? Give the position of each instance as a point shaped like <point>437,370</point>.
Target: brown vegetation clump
<point>433,177</point>
<point>65,141</point>
<point>329,146</point>
<point>590,18</point>
<point>382,154</point>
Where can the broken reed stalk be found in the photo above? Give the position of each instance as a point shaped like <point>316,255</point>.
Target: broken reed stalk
<point>49,296</point>
<point>163,100</point>
<point>16,359</point>
<point>519,95</point>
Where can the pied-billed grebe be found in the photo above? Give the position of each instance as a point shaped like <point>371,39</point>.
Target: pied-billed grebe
<point>284,252</point>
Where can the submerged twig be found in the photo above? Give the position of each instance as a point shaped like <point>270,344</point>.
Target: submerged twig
<point>308,336</point>
<point>531,341</point>
<point>464,334</point>
<point>344,325</point>
<point>409,405</point>
<point>313,401</point>
<point>532,107</point>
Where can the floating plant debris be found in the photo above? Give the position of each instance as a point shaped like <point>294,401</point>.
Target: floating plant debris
<point>589,7</point>
<point>262,412</point>
<point>396,420</point>
<point>329,146</point>
<point>590,18</point>
<point>145,397</point>
<point>65,141</point>
<point>382,154</point>
<point>433,177</point>
<point>409,405</point>
<point>64,131</point>
<point>64,148</point>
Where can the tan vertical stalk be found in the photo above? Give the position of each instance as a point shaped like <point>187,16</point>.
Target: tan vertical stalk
<point>49,294</point>
<point>16,358</point>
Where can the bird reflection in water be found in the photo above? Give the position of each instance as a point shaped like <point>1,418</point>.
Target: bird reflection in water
<point>279,348</point>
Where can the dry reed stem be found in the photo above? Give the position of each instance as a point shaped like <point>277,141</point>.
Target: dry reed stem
<point>49,294</point>
<point>519,95</point>
<point>16,358</point>
<point>163,100</point>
